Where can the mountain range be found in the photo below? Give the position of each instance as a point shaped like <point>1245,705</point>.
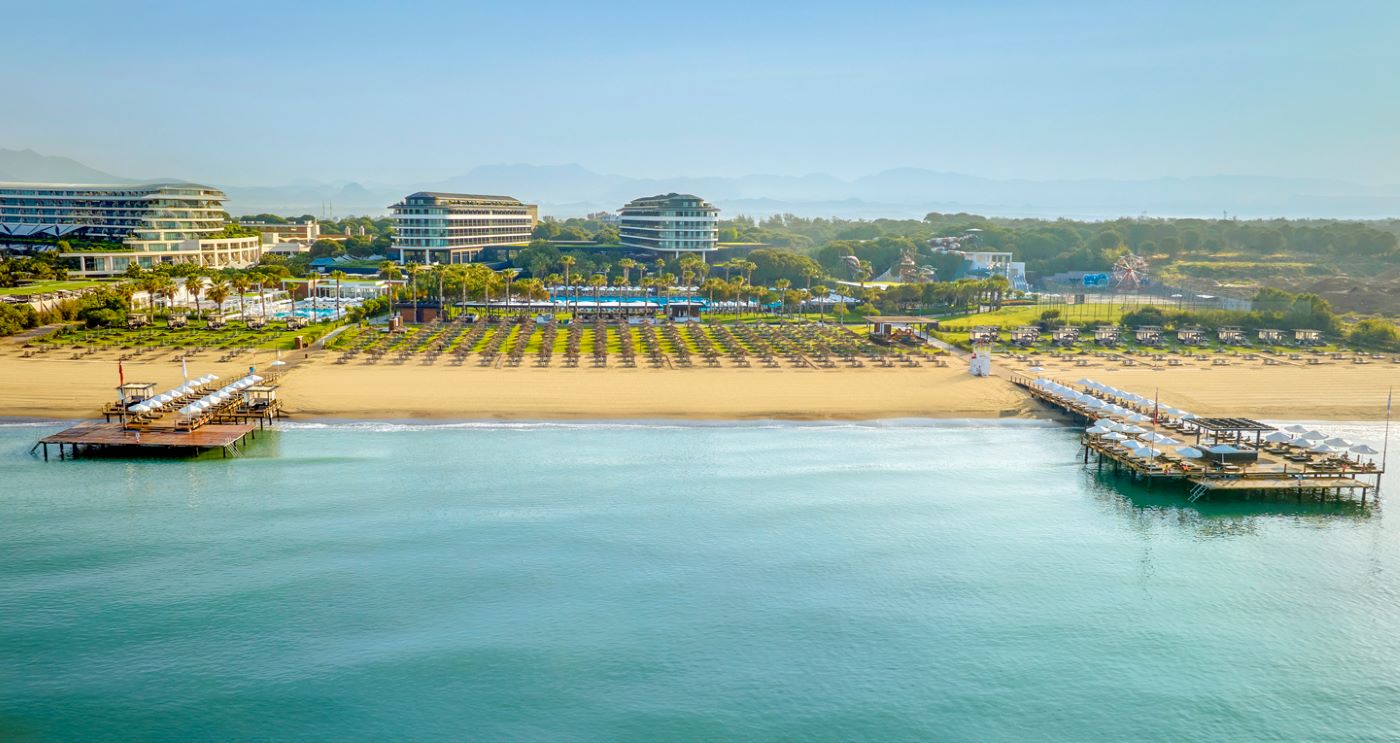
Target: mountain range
<point>571,190</point>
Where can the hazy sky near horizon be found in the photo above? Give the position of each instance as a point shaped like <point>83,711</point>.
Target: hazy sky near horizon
<point>410,92</point>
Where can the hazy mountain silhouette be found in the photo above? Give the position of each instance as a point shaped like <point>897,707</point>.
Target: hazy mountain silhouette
<point>570,189</point>
<point>28,165</point>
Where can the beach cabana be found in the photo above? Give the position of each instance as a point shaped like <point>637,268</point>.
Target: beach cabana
<point>1107,335</point>
<point>1307,337</point>
<point>1025,335</point>
<point>1065,335</point>
<point>1148,335</point>
<point>1271,335</point>
<point>1191,336</point>
<point>1231,429</point>
<point>1230,335</point>
<point>136,392</point>
<point>984,334</point>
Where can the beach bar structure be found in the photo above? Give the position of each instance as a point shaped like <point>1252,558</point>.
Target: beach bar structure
<point>1133,435</point>
<point>1065,335</point>
<point>1108,335</point>
<point>1025,335</point>
<point>1230,335</point>
<point>900,327</point>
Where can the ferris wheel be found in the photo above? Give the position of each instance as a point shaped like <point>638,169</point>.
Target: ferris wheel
<point>1130,272</point>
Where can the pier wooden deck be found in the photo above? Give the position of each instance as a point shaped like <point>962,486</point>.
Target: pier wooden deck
<point>92,437</point>
<point>1269,474</point>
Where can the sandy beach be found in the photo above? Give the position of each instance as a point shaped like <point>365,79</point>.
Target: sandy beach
<point>57,386</point>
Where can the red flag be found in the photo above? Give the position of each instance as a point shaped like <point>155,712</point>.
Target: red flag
<point>121,373</point>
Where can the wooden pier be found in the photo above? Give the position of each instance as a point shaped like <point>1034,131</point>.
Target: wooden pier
<point>91,437</point>
<point>1270,473</point>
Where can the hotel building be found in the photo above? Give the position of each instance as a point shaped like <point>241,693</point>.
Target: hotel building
<point>431,227</point>
<point>671,223</point>
<point>306,231</point>
<point>113,227</point>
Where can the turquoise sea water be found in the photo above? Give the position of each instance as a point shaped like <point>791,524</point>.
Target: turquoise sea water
<point>897,581</point>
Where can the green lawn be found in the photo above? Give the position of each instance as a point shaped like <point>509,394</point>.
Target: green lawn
<point>1011,317</point>
<point>44,287</point>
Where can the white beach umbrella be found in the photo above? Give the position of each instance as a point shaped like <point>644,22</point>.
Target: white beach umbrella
<point>1363,449</point>
<point>1108,423</point>
<point>1314,436</point>
<point>1116,436</point>
<point>1138,418</point>
<point>1324,449</point>
<point>1097,430</point>
<point>1189,452</point>
<point>1085,382</point>
<point>1278,437</point>
<point>1338,442</point>
<point>1133,429</point>
<point>1158,438</point>
<point>1147,452</point>
<point>255,378</point>
<point>1296,428</point>
<point>139,407</point>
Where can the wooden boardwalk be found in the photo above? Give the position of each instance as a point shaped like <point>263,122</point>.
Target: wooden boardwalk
<point>94,437</point>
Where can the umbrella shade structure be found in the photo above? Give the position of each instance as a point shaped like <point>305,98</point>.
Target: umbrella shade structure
<point>1116,436</point>
<point>1147,452</point>
<point>1324,449</point>
<point>1138,418</point>
<point>278,362</point>
<point>1338,442</point>
<point>1296,428</point>
<point>1133,429</point>
<point>1158,438</point>
<point>1314,436</point>
<point>1189,452</point>
<point>1278,437</point>
<point>1108,423</point>
<point>1363,449</point>
<point>1097,430</point>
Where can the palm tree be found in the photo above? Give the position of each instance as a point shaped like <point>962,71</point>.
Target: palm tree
<point>782,286</point>
<point>413,269</point>
<point>240,284</point>
<point>338,275</point>
<point>627,264</point>
<point>194,284</point>
<point>508,275</point>
<point>127,290</point>
<point>217,293</point>
<point>821,292</point>
<point>164,286</point>
<point>597,281</point>
<point>568,261</point>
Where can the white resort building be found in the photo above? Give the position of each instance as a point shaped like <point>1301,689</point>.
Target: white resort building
<point>670,223</point>
<point>108,228</point>
<point>431,227</point>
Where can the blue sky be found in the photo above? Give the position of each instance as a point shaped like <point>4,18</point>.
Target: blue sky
<point>271,93</point>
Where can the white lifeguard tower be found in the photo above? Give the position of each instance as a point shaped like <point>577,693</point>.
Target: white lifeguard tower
<point>981,363</point>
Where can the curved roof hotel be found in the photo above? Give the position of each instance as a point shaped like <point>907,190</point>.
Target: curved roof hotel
<point>672,223</point>
<point>433,227</point>
<point>112,227</point>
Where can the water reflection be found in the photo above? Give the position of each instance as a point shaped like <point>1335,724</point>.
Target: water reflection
<point>1221,516</point>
